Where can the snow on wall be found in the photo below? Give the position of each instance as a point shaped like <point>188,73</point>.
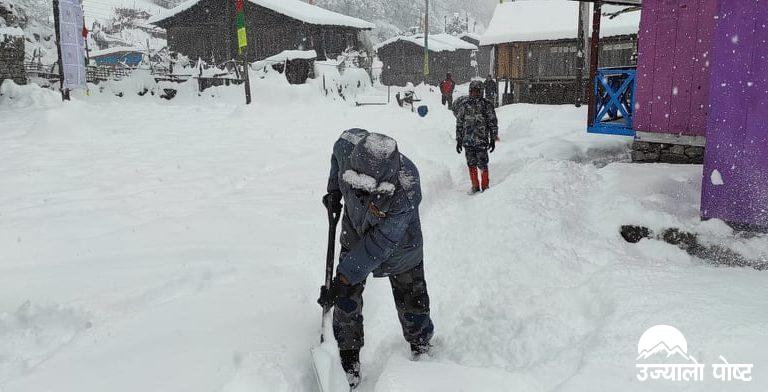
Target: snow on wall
<point>293,8</point>
<point>284,56</point>
<point>539,20</point>
<point>339,83</point>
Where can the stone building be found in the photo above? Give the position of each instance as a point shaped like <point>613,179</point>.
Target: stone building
<point>12,55</point>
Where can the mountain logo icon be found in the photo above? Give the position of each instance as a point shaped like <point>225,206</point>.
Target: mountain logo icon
<point>663,340</point>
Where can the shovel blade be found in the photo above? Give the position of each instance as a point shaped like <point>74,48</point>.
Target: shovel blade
<point>328,371</point>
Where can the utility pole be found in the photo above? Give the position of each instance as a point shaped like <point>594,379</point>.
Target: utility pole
<point>583,52</point>
<point>594,52</point>
<point>426,40</point>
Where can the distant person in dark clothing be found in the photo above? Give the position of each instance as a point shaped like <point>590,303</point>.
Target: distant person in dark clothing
<point>491,90</point>
<point>476,132</point>
<point>446,88</point>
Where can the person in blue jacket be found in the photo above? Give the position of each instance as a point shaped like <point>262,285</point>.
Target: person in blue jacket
<point>381,234</point>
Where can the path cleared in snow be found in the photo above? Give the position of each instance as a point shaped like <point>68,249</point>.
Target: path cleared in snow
<point>179,246</point>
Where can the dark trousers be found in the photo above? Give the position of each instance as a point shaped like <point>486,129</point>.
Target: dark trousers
<point>493,97</point>
<point>477,157</point>
<point>411,300</point>
<point>448,99</point>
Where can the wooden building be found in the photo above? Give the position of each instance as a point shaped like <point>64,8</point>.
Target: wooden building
<point>12,55</point>
<point>403,59</point>
<point>482,56</point>
<point>536,47</point>
<point>206,29</point>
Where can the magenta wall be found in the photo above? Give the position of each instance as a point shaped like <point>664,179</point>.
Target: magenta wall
<point>673,66</point>
<point>737,134</point>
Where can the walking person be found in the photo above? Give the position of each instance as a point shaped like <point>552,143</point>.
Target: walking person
<point>491,90</point>
<point>381,234</point>
<point>476,133</point>
<point>446,89</point>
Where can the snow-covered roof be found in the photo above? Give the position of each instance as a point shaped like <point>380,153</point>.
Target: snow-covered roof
<point>539,20</point>
<point>11,32</point>
<point>113,50</point>
<point>437,42</point>
<point>473,36</point>
<point>295,9</point>
<point>285,55</point>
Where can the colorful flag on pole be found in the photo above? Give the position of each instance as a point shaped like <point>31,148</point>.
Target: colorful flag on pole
<point>242,39</point>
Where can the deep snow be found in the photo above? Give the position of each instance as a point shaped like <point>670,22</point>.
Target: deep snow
<point>148,245</point>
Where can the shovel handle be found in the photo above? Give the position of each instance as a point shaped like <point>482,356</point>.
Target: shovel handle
<point>333,220</point>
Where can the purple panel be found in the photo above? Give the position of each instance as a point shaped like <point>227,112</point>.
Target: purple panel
<point>646,48</point>
<point>682,72</point>
<point>666,36</point>
<point>675,41</point>
<point>737,144</point>
<point>701,74</point>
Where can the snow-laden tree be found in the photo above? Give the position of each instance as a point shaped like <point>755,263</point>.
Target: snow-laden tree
<point>396,16</point>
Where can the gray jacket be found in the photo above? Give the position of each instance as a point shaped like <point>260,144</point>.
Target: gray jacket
<point>381,231</point>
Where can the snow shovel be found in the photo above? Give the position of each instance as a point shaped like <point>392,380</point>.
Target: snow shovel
<point>325,357</point>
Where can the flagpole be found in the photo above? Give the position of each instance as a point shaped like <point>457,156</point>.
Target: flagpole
<point>57,29</point>
<point>242,47</point>
<point>426,40</point>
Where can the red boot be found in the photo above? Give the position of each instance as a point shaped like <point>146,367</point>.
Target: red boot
<point>486,180</point>
<point>473,178</point>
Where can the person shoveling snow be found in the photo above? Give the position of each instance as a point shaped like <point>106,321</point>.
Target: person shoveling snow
<point>476,132</point>
<point>381,234</point>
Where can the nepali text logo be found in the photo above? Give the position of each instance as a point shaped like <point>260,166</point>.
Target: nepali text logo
<point>667,344</point>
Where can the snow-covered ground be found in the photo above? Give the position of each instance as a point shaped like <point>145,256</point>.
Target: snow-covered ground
<point>148,245</point>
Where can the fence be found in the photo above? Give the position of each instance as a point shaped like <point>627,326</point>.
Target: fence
<point>94,73</point>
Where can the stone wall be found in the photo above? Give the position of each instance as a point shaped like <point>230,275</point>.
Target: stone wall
<point>12,59</point>
<point>667,153</point>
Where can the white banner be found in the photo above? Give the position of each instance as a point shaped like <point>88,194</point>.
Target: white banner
<point>72,43</point>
